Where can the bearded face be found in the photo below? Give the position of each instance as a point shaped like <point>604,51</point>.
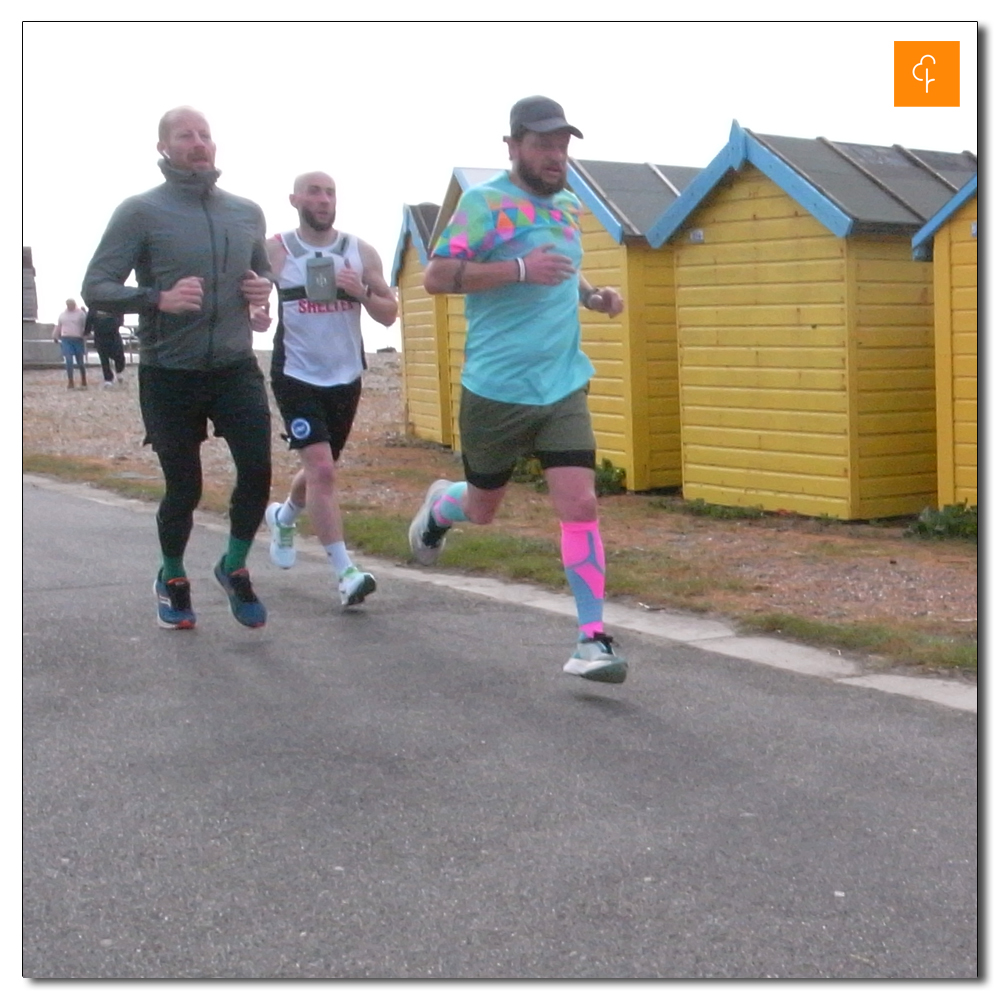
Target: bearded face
<point>540,160</point>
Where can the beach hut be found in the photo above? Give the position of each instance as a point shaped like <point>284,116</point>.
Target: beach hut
<point>432,326</point>
<point>950,240</point>
<point>634,392</point>
<point>805,326</point>
<point>427,410</point>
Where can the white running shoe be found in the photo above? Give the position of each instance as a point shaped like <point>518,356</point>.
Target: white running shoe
<point>282,538</point>
<point>596,660</point>
<point>354,587</point>
<point>427,538</point>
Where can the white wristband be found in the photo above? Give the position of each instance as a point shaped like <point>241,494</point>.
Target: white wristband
<point>522,271</point>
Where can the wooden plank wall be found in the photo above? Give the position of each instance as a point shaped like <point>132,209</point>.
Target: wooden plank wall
<point>652,327</point>
<point>634,393</point>
<point>956,321</point>
<point>604,342</point>
<point>762,340</point>
<point>894,443</point>
<point>427,407</point>
<point>454,307</point>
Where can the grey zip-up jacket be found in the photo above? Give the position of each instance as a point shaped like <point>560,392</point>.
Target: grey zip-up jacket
<point>186,226</point>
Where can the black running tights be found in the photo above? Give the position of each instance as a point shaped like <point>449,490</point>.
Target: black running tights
<point>183,479</point>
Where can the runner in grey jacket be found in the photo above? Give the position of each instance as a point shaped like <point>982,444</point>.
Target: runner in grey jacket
<point>200,261</point>
<point>186,226</point>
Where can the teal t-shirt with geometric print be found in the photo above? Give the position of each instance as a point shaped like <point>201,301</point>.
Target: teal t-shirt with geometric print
<point>523,341</point>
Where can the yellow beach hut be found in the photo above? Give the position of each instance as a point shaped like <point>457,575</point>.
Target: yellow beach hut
<point>634,392</point>
<point>950,239</point>
<point>805,327</point>
<point>421,317</point>
<point>432,326</point>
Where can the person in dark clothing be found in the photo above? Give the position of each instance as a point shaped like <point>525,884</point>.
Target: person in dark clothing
<point>200,262</point>
<point>108,344</point>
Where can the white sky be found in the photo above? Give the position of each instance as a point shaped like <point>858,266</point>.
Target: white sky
<point>390,108</point>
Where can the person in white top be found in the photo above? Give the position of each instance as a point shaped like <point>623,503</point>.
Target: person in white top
<point>325,279</point>
<point>69,335</point>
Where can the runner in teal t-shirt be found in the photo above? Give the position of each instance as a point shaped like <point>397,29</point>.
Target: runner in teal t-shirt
<point>513,249</point>
<point>523,340</point>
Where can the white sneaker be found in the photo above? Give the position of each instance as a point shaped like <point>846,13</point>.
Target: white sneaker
<point>109,385</point>
<point>282,538</point>
<point>354,587</point>
<point>427,538</point>
<point>596,660</point>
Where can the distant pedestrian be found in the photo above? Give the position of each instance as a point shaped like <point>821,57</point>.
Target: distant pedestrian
<point>512,247</point>
<point>200,264</point>
<point>70,334</point>
<point>326,279</point>
<point>108,343</point>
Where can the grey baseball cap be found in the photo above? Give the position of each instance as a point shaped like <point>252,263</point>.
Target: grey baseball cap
<point>539,114</point>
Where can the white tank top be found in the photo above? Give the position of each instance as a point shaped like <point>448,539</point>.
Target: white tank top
<point>320,341</point>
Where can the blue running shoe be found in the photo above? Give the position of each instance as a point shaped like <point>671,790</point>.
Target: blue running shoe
<point>173,602</point>
<point>247,610</point>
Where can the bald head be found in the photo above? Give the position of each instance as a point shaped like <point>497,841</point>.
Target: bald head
<point>186,140</point>
<point>171,117</point>
<point>314,177</point>
<point>314,196</point>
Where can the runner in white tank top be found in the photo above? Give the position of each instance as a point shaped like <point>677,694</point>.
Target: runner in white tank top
<point>316,366</point>
<point>318,342</point>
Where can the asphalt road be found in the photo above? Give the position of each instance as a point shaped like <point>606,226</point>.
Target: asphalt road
<point>414,790</point>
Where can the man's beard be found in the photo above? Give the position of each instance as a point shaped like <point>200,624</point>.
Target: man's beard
<point>313,223</point>
<point>535,182</point>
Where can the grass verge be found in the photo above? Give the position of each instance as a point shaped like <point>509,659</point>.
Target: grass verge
<point>656,580</point>
<point>903,646</point>
<point>653,578</point>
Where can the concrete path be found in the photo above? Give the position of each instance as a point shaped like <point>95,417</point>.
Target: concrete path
<point>414,790</point>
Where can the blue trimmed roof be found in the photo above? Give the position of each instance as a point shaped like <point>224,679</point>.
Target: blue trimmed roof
<point>418,223</point>
<point>849,188</point>
<point>923,240</point>
<point>627,198</point>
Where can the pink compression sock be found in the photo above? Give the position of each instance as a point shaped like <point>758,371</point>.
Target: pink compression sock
<point>583,560</point>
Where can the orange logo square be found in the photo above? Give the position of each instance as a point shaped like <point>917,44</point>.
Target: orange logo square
<point>925,75</point>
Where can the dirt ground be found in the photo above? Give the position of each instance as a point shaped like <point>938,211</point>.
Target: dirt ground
<point>843,573</point>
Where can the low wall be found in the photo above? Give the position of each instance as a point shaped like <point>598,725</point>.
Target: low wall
<point>38,350</point>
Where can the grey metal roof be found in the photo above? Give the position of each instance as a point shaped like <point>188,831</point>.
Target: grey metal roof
<point>881,187</point>
<point>637,194</point>
<point>424,216</point>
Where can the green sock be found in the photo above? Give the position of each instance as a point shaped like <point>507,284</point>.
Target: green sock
<point>236,555</point>
<point>172,568</point>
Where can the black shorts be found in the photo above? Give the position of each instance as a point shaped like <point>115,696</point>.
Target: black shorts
<point>177,403</point>
<point>495,435</point>
<point>316,413</point>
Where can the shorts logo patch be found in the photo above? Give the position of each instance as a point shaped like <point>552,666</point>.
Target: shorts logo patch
<point>300,428</point>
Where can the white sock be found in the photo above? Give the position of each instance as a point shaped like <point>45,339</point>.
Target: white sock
<point>288,512</point>
<point>339,559</point>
